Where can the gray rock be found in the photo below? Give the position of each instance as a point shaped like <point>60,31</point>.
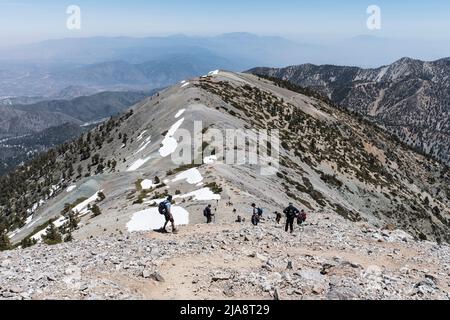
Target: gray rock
<point>221,276</point>
<point>146,274</point>
<point>157,277</point>
<point>276,294</point>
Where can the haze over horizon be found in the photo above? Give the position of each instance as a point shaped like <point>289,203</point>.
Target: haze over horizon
<point>27,21</point>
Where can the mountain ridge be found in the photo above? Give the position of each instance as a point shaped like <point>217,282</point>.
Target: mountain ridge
<point>329,160</point>
<point>409,98</point>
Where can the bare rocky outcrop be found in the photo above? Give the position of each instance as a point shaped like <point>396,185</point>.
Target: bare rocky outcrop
<point>329,257</point>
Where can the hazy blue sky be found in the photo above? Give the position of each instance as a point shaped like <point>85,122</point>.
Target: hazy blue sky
<point>33,20</point>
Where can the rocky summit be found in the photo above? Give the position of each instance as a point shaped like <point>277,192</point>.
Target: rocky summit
<point>329,257</point>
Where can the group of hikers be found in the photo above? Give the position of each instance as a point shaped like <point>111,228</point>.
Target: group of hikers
<point>291,213</point>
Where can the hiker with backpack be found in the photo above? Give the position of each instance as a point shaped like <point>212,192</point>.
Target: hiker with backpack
<point>291,213</point>
<point>164,208</point>
<point>301,218</point>
<point>208,214</point>
<point>256,215</point>
<point>278,217</point>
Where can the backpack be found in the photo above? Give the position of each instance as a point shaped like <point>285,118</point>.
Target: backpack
<point>205,212</point>
<point>291,212</point>
<point>303,216</point>
<point>162,208</point>
<point>260,211</point>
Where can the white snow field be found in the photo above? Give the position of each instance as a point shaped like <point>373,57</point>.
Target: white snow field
<point>147,184</point>
<point>151,219</point>
<point>170,143</point>
<point>192,176</point>
<point>137,164</point>
<point>204,194</point>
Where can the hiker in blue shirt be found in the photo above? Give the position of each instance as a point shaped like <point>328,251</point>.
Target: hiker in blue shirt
<point>165,208</point>
<point>256,215</point>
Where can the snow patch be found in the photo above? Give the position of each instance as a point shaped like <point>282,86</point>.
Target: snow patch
<point>204,194</point>
<point>151,219</point>
<point>192,176</point>
<point>144,145</point>
<point>137,164</point>
<point>210,159</point>
<point>147,184</point>
<point>81,208</point>
<point>141,135</point>
<point>185,85</point>
<point>71,188</point>
<point>179,113</point>
<point>170,143</point>
<point>213,73</point>
<point>58,223</point>
<point>53,188</point>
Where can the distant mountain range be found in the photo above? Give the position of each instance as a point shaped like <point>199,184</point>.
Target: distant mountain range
<point>409,98</point>
<point>27,130</point>
<point>24,119</point>
<point>74,80</point>
<point>125,63</point>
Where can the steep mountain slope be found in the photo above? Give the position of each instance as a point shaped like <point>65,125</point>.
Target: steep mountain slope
<point>90,108</point>
<point>15,122</point>
<point>17,150</point>
<point>31,118</point>
<point>410,98</point>
<point>329,161</point>
<point>327,258</point>
<point>27,130</point>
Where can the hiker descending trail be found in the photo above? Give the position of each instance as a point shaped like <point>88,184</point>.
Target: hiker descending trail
<point>256,214</point>
<point>301,218</point>
<point>164,208</point>
<point>278,217</point>
<point>291,213</point>
<point>208,214</point>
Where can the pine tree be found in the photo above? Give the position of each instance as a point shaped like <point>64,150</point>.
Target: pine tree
<point>96,210</point>
<point>113,165</point>
<point>27,242</point>
<point>5,244</point>
<point>52,236</point>
<point>101,196</point>
<point>79,170</point>
<point>73,221</point>
<point>68,237</point>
